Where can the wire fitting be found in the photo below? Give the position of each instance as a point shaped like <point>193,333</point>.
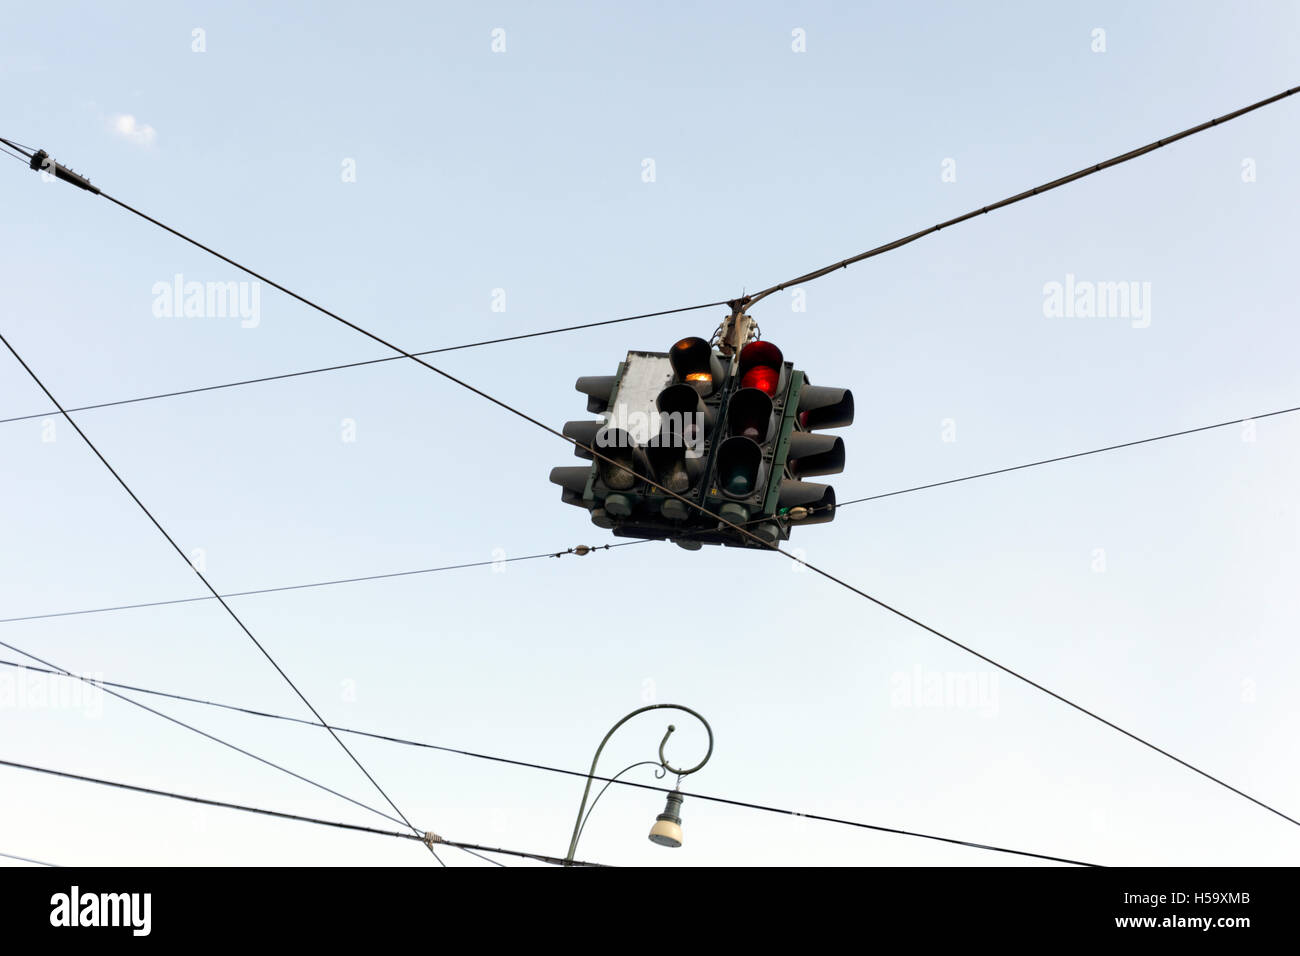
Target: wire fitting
<point>582,549</point>
<point>431,839</point>
<point>42,163</point>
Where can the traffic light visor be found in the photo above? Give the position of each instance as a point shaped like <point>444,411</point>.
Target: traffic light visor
<point>692,362</point>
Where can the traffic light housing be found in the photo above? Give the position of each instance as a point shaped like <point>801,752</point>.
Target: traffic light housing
<point>808,454</point>
<point>735,440</point>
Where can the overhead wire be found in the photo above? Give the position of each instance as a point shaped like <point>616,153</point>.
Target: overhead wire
<point>749,805</point>
<point>346,365</point>
<point>476,564</point>
<point>23,859</point>
<point>1077,454</point>
<point>1019,197</point>
<point>61,672</point>
<point>26,151</point>
<point>746,302</point>
<point>487,859</point>
<point>201,576</point>
<point>313,584</point>
<point>722,522</point>
<point>279,814</point>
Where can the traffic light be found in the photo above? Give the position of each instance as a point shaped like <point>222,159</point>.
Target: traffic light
<point>734,439</point>
<point>657,416</point>
<point>807,454</point>
<point>575,482</point>
<point>684,424</point>
<point>746,463</point>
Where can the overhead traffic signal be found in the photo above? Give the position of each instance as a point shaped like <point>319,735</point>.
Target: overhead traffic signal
<point>809,455</point>
<point>726,442</point>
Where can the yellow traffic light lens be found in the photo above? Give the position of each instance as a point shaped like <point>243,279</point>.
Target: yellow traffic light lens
<point>692,362</point>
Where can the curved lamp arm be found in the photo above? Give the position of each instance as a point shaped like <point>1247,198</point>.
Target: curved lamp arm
<point>660,772</point>
<point>663,761</point>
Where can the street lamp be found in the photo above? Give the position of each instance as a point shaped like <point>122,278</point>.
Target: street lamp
<point>667,830</point>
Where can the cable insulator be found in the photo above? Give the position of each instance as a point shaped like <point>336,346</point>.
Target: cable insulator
<point>41,162</point>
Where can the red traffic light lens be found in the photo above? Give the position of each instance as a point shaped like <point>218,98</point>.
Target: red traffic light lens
<point>762,378</point>
<point>760,367</point>
<point>760,353</point>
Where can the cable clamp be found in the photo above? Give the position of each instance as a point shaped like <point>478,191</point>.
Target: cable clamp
<point>430,839</point>
<point>41,162</point>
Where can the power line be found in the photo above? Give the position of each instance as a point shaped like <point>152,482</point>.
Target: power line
<point>740,303</point>
<point>376,361</point>
<point>51,668</point>
<point>477,564</point>
<point>540,857</point>
<point>1077,454</point>
<point>316,584</point>
<point>1011,200</point>
<point>11,856</point>
<point>26,151</point>
<point>17,151</point>
<point>200,575</point>
<point>571,773</point>
<point>402,352</point>
<point>1032,683</point>
<point>692,504</point>
<point>486,859</point>
<point>748,300</point>
<point>288,816</point>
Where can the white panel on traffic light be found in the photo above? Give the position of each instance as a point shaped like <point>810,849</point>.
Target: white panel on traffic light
<point>633,408</point>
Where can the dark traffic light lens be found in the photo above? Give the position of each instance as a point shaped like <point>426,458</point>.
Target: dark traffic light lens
<point>740,462</point>
<point>739,484</point>
<point>618,458</point>
<point>750,414</point>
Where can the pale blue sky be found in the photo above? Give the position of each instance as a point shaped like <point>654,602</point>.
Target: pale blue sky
<point>522,171</point>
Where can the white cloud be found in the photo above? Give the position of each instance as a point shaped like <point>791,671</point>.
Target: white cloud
<point>126,126</point>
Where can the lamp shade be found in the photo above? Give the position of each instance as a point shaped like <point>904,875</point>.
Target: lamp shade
<point>667,830</point>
